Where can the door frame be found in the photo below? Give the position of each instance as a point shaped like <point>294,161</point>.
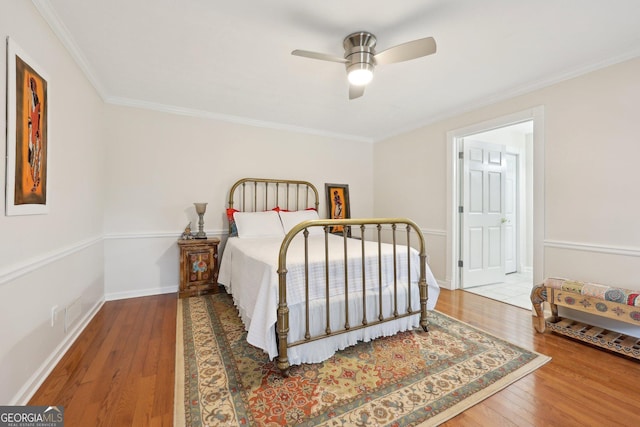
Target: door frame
<point>454,138</point>
<point>517,203</point>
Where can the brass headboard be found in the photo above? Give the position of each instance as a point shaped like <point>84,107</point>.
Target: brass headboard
<point>261,194</point>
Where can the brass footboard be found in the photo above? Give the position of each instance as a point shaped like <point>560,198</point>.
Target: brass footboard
<point>372,228</point>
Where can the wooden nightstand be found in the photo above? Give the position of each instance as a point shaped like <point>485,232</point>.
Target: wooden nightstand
<point>198,266</point>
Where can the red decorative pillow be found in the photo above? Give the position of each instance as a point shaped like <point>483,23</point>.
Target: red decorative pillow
<point>279,209</point>
<point>233,229</point>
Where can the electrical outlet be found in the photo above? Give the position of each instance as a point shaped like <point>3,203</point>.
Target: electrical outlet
<point>54,315</point>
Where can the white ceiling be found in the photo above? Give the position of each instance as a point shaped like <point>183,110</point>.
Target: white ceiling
<point>232,59</point>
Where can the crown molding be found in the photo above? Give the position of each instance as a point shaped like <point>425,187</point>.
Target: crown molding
<point>515,92</point>
<point>60,30</point>
<point>172,109</point>
<point>48,13</point>
<point>51,17</point>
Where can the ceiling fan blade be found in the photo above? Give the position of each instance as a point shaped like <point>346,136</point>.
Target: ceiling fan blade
<point>318,55</point>
<point>355,91</point>
<point>406,51</point>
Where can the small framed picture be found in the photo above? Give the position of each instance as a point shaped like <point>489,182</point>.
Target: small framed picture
<point>338,204</point>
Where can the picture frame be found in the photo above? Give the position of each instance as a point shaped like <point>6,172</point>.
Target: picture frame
<point>26,185</point>
<point>338,206</point>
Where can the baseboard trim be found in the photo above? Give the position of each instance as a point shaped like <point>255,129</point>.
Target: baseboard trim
<point>444,284</point>
<point>141,293</point>
<point>35,381</point>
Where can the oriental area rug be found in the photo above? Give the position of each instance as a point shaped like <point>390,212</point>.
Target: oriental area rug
<point>410,379</point>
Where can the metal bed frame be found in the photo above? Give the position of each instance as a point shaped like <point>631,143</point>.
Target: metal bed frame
<point>256,194</point>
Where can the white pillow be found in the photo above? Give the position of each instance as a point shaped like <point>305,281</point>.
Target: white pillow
<point>290,219</point>
<point>258,224</point>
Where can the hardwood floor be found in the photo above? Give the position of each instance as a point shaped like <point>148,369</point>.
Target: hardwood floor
<point>120,371</point>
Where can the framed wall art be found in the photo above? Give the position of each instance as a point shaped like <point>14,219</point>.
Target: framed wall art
<point>27,134</point>
<point>338,204</point>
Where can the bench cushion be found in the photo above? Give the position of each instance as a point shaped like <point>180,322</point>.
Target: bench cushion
<point>604,292</point>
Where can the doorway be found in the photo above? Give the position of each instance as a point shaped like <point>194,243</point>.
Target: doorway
<point>496,192</point>
<point>496,205</point>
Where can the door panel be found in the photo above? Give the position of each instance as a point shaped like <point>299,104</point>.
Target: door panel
<point>475,248</point>
<point>495,248</point>
<point>475,191</point>
<point>482,230</point>
<point>495,192</point>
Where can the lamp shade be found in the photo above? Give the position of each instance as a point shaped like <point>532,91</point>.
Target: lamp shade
<point>201,208</point>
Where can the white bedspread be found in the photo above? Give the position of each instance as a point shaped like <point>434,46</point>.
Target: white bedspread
<point>248,270</point>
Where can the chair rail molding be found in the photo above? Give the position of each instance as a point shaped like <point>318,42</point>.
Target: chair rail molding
<point>592,247</point>
<point>20,269</point>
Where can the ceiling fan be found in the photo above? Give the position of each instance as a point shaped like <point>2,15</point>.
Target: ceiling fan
<point>360,57</point>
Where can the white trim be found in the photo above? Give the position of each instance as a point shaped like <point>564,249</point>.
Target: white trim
<point>48,13</point>
<point>430,232</point>
<point>591,247</point>
<point>25,393</point>
<point>141,293</point>
<point>149,235</point>
<point>190,112</point>
<point>32,264</point>
<point>444,284</point>
<point>509,94</point>
<point>51,17</point>
<point>158,235</point>
<point>537,115</point>
<point>219,233</point>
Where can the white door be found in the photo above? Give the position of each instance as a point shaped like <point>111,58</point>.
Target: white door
<point>511,214</point>
<point>483,207</point>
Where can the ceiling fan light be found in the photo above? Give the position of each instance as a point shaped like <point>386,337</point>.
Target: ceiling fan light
<point>360,74</point>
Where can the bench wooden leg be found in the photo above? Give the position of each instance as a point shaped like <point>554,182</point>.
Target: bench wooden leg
<point>554,312</point>
<point>538,297</point>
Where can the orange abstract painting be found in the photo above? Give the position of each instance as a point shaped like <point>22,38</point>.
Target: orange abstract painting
<point>31,136</point>
<point>27,134</point>
<point>337,203</point>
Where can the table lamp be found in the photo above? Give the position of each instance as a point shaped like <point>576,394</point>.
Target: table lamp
<point>201,208</point>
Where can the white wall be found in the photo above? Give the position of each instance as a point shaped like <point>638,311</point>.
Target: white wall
<point>591,194</point>
<point>54,259</point>
<point>160,164</point>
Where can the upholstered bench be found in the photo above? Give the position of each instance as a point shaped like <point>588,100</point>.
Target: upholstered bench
<point>605,301</point>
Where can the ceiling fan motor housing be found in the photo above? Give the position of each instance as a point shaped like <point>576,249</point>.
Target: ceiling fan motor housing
<point>359,52</point>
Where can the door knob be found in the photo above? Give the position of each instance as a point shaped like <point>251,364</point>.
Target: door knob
<point>503,220</point>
